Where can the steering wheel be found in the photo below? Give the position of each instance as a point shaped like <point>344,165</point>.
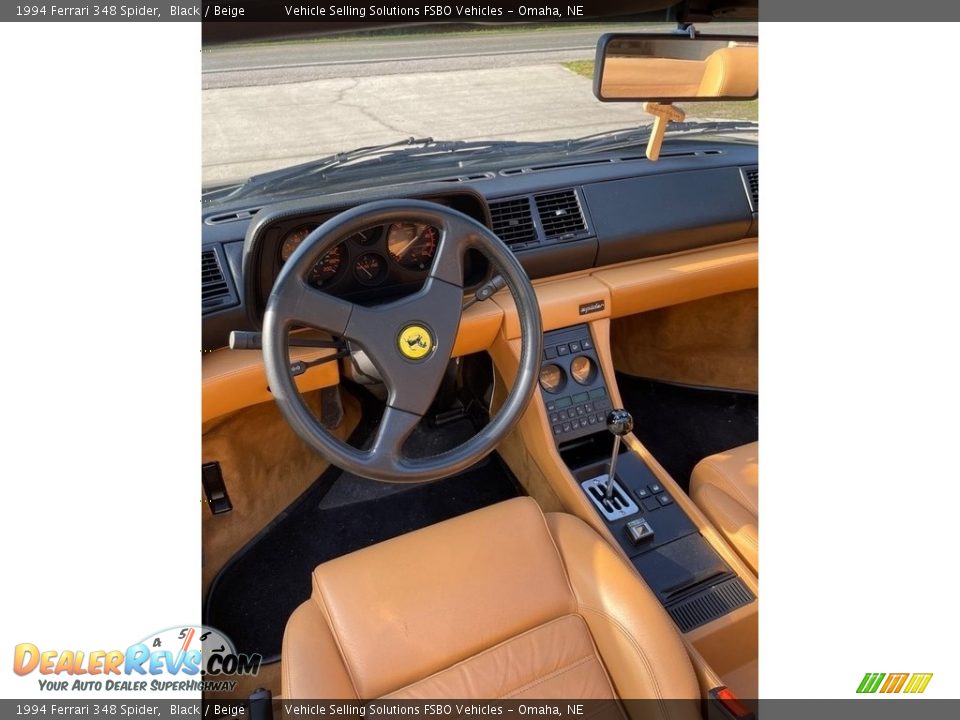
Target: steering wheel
<point>410,341</point>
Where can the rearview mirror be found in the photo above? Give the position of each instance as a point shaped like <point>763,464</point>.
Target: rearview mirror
<point>671,68</point>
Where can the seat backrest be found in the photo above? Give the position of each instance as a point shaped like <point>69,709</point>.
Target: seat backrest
<point>730,72</point>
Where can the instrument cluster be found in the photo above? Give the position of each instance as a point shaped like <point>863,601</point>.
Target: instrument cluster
<point>369,258</point>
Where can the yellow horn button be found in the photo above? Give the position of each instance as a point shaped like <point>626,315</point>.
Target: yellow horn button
<point>415,342</point>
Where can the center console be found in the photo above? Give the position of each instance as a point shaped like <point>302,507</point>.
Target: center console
<point>691,580</point>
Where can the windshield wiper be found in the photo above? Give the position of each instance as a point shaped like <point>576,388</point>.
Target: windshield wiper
<point>629,137</point>
<point>257,183</point>
<point>426,151</point>
<point>393,159</point>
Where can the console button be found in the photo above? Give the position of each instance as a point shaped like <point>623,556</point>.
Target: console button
<point>655,488</point>
<point>574,347</point>
<point>550,353</point>
<point>554,417</point>
<point>639,530</point>
<point>563,350</point>
<point>557,429</point>
<point>664,499</point>
<point>586,344</point>
<point>641,493</point>
<point>650,504</point>
<point>566,427</point>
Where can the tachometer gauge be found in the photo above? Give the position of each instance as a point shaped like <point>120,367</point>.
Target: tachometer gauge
<point>551,378</point>
<point>328,266</point>
<point>412,245</point>
<point>370,269</point>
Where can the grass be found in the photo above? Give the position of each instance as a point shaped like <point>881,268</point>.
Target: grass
<point>725,110</point>
<point>439,30</point>
<point>580,67</point>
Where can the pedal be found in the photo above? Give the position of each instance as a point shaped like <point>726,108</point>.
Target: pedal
<point>331,407</point>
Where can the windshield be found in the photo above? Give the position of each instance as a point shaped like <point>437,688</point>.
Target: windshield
<point>454,91</point>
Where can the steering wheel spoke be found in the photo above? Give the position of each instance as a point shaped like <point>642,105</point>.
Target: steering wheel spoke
<point>457,236</point>
<point>396,426</point>
<point>314,308</point>
<point>410,341</point>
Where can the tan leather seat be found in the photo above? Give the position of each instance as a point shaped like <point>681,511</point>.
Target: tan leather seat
<point>724,487</point>
<point>503,602</point>
<point>730,72</point>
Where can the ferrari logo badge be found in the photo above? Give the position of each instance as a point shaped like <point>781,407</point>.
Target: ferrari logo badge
<point>415,342</point>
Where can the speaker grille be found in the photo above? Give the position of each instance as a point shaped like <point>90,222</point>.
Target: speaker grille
<point>710,604</point>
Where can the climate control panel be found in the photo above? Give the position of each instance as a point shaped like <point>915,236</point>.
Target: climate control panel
<point>571,384</point>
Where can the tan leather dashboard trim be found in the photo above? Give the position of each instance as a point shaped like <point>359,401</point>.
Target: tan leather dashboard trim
<point>560,303</point>
<point>235,379</point>
<point>660,282</point>
<point>479,326</point>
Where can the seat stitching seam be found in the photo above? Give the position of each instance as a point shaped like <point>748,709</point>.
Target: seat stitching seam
<point>480,654</point>
<point>724,485</point>
<point>556,673</point>
<point>284,666</point>
<point>636,646</point>
<point>321,601</point>
<point>563,564</point>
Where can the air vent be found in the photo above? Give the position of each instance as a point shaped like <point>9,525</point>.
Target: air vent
<point>232,216</point>
<point>712,603</point>
<point>560,214</point>
<point>467,178</point>
<point>752,179</point>
<point>513,221</point>
<point>216,292</point>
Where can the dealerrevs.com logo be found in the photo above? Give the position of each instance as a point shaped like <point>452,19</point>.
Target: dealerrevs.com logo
<point>892,683</point>
<point>181,659</point>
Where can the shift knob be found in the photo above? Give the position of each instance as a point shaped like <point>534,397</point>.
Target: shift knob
<point>619,422</point>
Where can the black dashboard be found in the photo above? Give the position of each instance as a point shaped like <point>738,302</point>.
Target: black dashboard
<point>557,219</point>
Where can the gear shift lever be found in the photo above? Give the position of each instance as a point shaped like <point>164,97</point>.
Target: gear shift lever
<point>619,422</point>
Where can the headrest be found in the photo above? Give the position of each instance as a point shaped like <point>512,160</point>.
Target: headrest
<point>730,72</point>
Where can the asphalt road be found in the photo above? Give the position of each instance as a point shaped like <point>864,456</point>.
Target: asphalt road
<point>268,106</point>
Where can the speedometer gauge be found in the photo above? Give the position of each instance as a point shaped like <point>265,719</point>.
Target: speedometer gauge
<point>329,264</point>
<point>412,245</point>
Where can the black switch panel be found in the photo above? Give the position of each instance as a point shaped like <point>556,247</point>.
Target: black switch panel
<point>572,386</point>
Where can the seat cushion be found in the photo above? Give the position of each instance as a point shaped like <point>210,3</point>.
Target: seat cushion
<point>501,602</point>
<point>725,487</point>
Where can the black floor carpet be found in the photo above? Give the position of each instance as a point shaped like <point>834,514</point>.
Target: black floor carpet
<point>255,593</point>
<point>682,425</point>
